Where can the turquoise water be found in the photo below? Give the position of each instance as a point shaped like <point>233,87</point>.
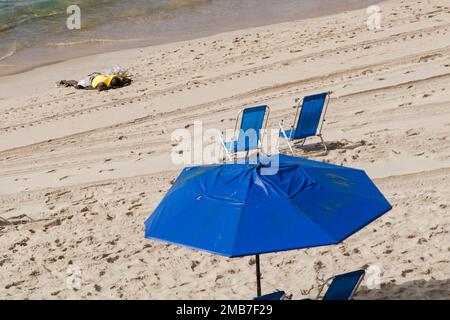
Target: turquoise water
<point>34,32</point>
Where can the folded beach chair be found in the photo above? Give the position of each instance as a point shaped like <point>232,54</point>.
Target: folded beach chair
<point>342,287</point>
<point>309,119</point>
<point>279,295</point>
<point>252,121</point>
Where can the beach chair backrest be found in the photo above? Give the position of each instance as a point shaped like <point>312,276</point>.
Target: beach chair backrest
<point>309,120</point>
<point>344,286</point>
<point>251,125</point>
<point>272,296</point>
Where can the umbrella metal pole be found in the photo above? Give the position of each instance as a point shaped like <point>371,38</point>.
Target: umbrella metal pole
<point>258,277</point>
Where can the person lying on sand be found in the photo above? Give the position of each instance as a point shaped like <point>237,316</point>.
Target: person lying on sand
<point>98,81</point>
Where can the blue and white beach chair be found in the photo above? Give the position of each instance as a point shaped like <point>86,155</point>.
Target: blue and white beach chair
<point>278,295</point>
<point>309,119</point>
<point>343,286</point>
<point>252,121</point>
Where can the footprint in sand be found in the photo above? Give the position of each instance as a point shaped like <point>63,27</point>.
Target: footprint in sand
<point>101,171</point>
<point>412,132</point>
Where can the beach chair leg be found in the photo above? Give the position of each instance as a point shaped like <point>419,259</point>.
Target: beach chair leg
<point>225,148</point>
<point>290,146</point>
<point>286,139</point>
<point>303,142</point>
<point>323,143</point>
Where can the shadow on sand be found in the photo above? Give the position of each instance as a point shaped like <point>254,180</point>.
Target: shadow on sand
<point>314,147</point>
<point>417,290</point>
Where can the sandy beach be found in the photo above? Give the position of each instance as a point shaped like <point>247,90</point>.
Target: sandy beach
<point>80,171</point>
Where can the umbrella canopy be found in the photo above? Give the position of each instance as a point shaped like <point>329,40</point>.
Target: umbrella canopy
<point>235,210</point>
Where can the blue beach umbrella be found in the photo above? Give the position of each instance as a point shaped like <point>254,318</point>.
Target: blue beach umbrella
<point>236,210</point>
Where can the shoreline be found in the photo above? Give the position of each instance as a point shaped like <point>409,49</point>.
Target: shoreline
<point>82,48</point>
